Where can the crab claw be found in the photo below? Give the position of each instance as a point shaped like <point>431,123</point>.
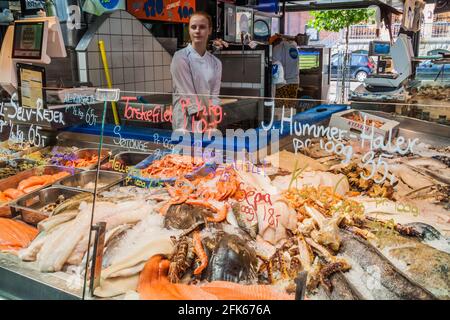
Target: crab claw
<point>199,202</point>
<point>221,212</point>
<point>163,209</point>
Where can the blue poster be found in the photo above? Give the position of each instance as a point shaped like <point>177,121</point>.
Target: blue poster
<point>268,5</point>
<point>98,7</point>
<point>109,4</point>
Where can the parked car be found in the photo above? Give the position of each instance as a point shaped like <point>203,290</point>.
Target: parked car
<point>361,65</point>
<point>428,70</point>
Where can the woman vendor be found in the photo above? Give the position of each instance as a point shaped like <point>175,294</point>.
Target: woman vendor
<point>196,76</point>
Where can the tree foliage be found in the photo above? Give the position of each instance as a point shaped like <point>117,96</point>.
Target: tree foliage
<point>336,20</point>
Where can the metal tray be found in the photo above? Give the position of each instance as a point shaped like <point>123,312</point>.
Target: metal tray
<point>88,152</point>
<point>48,152</point>
<point>13,181</point>
<point>16,163</point>
<point>17,154</point>
<point>123,160</point>
<point>30,205</point>
<point>107,179</point>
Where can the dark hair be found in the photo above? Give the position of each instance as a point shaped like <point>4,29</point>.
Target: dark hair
<point>204,15</point>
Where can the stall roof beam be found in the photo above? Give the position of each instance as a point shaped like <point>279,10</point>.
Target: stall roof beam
<point>394,6</point>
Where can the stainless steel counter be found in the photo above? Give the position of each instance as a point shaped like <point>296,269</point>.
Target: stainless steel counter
<point>20,280</point>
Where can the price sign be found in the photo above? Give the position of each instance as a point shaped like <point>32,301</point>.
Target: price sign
<point>162,10</point>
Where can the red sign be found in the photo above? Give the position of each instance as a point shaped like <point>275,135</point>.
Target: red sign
<point>162,10</point>
<point>214,114</point>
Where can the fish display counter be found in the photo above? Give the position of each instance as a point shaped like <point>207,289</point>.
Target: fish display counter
<point>337,203</point>
<point>114,187</point>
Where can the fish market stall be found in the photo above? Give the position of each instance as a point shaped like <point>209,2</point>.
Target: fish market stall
<point>307,221</point>
<point>252,203</point>
<point>345,204</point>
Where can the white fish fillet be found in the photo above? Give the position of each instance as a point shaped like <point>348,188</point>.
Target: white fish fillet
<point>129,212</point>
<point>116,286</point>
<point>54,251</point>
<point>159,245</point>
<point>52,222</point>
<point>129,271</point>
<point>57,250</point>
<point>139,233</point>
<point>146,239</point>
<point>110,237</point>
<point>30,253</point>
<point>64,232</point>
<point>111,234</point>
<point>257,181</point>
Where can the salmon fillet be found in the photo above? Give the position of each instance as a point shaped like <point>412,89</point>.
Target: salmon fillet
<point>12,193</point>
<point>154,285</point>
<point>225,290</point>
<point>33,181</point>
<point>15,235</point>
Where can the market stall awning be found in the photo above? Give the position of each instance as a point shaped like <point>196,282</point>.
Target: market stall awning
<point>394,6</point>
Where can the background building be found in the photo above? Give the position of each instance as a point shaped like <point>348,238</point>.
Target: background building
<point>435,34</point>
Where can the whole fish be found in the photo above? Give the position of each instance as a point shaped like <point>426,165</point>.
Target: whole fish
<point>424,264</point>
<point>72,203</point>
<point>385,280</point>
<point>343,289</point>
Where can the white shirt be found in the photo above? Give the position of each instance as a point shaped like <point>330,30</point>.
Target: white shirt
<point>194,75</point>
<point>287,53</point>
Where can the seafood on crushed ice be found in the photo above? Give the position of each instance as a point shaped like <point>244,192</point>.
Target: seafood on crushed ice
<point>235,234</point>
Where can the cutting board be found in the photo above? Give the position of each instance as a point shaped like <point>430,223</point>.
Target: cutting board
<point>227,101</point>
<point>286,160</point>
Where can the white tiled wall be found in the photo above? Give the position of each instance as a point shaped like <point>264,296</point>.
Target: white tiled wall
<point>136,59</point>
